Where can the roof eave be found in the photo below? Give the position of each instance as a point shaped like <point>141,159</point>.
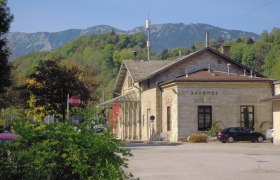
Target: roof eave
<point>178,81</point>
<point>120,77</point>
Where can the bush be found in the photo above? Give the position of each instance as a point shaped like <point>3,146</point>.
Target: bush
<point>197,138</point>
<point>59,151</point>
<point>213,130</point>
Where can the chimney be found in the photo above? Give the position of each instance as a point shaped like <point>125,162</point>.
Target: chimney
<point>225,50</point>
<point>134,53</point>
<point>209,67</point>
<point>187,73</point>
<point>251,74</point>
<point>244,72</point>
<point>228,68</point>
<point>207,39</point>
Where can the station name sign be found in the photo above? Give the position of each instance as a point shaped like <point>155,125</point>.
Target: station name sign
<point>211,93</point>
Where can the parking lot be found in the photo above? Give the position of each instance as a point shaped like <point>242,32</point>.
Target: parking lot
<point>205,161</point>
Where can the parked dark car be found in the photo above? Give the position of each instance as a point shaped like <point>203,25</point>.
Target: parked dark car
<point>232,134</point>
<point>7,137</point>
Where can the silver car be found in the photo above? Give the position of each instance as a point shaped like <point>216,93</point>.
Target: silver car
<point>269,134</point>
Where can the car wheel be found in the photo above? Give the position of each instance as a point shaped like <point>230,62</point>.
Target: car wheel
<point>230,139</point>
<point>260,139</point>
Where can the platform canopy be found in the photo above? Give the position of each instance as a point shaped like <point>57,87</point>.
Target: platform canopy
<point>129,97</point>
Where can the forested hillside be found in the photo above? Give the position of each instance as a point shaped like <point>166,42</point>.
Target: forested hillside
<point>99,57</point>
<point>262,56</point>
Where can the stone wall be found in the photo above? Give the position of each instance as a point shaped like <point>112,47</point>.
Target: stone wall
<point>225,100</point>
<point>169,99</point>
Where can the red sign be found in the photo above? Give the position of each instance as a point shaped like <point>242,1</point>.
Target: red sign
<point>74,101</point>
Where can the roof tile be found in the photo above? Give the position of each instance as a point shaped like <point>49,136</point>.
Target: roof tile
<point>216,76</point>
<point>142,69</point>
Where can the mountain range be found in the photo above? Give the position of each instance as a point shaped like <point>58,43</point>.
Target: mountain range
<point>162,36</point>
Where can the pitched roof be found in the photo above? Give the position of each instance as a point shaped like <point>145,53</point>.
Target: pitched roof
<point>141,69</point>
<point>158,71</point>
<point>217,76</point>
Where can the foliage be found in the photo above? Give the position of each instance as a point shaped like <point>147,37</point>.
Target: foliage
<point>174,53</point>
<point>97,56</point>
<point>213,130</point>
<point>197,138</point>
<point>49,86</point>
<point>59,151</point>
<point>8,115</point>
<point>5,19</point>
<point>260,56</point>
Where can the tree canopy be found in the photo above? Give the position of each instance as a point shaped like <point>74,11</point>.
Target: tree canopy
<point>49,86</point>
<point>5,20</point>
<point>262,55</point>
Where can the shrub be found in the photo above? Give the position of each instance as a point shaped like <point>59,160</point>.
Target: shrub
<point>213,130</point>
<point>59,151</point>
<point>196,138</point>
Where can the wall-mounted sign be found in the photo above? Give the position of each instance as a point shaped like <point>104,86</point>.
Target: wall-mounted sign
<point>152,118</point>
<point>209,93</point>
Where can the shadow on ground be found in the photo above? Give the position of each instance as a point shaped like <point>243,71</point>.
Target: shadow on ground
<point>151,143</point>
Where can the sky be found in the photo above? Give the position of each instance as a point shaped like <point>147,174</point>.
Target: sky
<point>58,15</point>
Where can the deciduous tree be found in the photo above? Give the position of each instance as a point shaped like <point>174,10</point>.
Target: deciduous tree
<point>49,86</point>
<point>5,20</point>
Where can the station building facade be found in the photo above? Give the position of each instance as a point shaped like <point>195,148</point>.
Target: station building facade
<point>187,96</point>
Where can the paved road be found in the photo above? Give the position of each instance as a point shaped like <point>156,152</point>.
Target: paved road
<point>207,161</point>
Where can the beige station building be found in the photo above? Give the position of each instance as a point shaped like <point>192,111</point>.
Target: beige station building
<point>170,100</point>
<point>276,111</point>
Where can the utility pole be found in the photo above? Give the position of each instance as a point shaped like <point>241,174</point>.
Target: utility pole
<point>148,41</point>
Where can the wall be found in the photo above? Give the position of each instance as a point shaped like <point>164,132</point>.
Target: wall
<point>225,99</point>
<point>276,122</point>
<point>276,114</point>
<point>276,87</point>
<point>148,101</point>
<point>169,99</point>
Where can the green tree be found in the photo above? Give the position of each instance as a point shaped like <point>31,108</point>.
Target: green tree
<point>49,85</point>
<point>5,20</point>
<point>62,151</point>
<point>276,69</point>
<point>164,54</point>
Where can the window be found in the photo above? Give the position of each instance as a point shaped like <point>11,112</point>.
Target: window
<point>168,123</point>
<point>235,130</point>
<point>129,81</point>
<point>247,116</point>
<point>204,117</point>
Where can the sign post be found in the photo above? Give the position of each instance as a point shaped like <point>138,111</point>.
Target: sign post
<point>73,101</point>
<point>152,119</point>
<point>67,110</point>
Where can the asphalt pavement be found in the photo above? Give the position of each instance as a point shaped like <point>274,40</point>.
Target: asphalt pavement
<point>205,161</point>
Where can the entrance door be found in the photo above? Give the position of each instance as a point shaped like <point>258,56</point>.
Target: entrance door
<point>247,116</point>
